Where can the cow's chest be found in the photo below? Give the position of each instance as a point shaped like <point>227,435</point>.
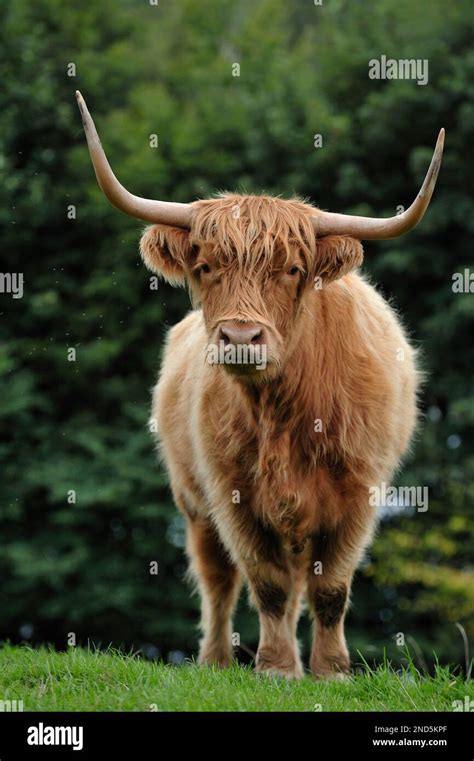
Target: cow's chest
<point>271,460</point>
<point>286,483</point>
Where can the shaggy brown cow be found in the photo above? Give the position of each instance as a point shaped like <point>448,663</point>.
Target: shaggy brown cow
<point>271,461</point>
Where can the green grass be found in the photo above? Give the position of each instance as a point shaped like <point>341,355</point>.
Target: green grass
<point>82,680</point>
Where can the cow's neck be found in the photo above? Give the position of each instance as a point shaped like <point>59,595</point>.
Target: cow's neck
<point>293,415</point>
<point>290,397</point>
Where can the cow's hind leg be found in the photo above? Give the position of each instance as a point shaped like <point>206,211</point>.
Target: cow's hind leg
<point>219,583</point>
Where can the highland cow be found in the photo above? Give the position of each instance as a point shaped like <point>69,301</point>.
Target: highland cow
<point>271,463</point>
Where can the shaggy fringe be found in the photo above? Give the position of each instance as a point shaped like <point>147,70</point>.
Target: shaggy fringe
<point>252,228</point>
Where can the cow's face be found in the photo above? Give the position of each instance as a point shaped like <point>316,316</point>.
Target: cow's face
<point>249,312</point>
<point>250,270</point>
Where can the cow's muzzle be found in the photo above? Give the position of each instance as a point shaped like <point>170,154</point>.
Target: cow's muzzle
<point>241,347</point>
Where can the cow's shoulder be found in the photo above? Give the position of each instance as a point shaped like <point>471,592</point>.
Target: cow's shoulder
<point>182,352</point>
<point>189,330</point>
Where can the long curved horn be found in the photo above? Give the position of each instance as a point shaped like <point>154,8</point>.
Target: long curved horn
<point>371,228</point>
<point>168,213</point>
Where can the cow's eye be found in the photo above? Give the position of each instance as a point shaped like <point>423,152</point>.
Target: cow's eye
<point>201,268</point>
<point>295,270</point>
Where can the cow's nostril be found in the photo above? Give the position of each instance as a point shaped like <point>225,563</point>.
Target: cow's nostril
<point>223,336</point>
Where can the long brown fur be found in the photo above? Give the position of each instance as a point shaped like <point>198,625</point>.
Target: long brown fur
<point>273,468</point>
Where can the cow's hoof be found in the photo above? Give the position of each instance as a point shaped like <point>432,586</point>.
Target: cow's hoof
<point>333,676</point>
<point>294,671</point>
<point>212,658</point>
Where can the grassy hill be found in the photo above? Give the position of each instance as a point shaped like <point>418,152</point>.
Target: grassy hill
<point>83,680</point>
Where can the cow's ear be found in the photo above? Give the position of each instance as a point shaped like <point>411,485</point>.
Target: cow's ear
<point>165,250</point>
<point>336,255</point>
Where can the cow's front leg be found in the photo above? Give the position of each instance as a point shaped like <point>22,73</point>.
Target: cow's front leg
<point>329,586</point>
<point>329,653</point>
<point>335,556</point>
<point>275,592</point>
<point>219,584</point>
<point>275,579</point>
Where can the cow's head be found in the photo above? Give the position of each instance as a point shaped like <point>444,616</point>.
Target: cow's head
<point>250,261</point>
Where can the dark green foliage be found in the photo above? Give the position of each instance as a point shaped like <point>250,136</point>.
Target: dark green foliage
<point>82,425</point>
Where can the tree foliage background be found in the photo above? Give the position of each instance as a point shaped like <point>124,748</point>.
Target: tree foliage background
<point>166,69</point>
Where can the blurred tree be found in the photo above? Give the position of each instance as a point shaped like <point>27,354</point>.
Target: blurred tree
<point>77,430</point>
